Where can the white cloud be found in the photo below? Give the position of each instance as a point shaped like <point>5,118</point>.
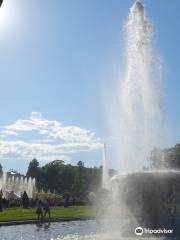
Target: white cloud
<point>8,133</point>
<point>24,150</point>
<point>53,140</point>
<point>52,129</point>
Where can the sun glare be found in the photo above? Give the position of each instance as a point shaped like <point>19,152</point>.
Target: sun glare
<point>6,15</point>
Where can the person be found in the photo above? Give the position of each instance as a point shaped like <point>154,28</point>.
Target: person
<point>47,209</point>
<point>1,201</point>
<point>66,199</point>
<point>25,200</point>
<point>39,210</point>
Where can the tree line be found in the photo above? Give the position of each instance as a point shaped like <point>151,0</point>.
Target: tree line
<point>60,178</point>
<point>165,158</point>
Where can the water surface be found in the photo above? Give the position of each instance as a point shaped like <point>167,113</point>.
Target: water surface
<point>75,230</point>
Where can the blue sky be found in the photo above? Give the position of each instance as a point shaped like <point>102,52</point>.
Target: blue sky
<point>57,60</point>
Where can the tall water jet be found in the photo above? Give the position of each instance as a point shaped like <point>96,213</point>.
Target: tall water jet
<point>139,198</point>
<point>105,173</point>
<point>140,93</point>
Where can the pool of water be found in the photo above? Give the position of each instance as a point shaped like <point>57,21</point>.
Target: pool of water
<point>75,230</point>
<point>49,231</point>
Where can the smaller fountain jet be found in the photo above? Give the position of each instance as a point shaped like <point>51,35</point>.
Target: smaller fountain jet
<point>10,182</point>
<point>105,175</point>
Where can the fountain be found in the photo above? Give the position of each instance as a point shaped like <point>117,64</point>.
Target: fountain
<point>137,198</point>
<point>140,94</point>
<point>134,200</point>
<point>13,184</point>
<point>105,173</point>
<point>147,199</point>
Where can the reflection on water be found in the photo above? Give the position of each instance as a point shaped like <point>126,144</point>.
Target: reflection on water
<point>75,230</point>
<point>49,231</point>
<point>43,226</point>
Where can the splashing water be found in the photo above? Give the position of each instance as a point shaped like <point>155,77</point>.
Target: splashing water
<point>17,185</point>
<point>139,128</point>
<point>140,95</point>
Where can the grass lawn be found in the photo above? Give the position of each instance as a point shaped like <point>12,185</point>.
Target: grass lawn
<point>12,214</point>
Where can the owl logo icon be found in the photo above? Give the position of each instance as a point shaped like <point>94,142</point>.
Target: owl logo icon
<point>139,231</point>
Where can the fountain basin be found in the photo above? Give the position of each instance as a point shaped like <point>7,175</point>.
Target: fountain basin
<point>150,199</point>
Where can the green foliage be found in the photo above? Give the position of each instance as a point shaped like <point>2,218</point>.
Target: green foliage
<point>166,158</point>
<point>58,177</point>
<point>80,164</point>
<point>33,169</point>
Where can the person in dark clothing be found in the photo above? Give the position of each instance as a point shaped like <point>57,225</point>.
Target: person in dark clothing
<point>66,199</point>
<point>47,209</point>
<point>39,210</point>
<point>25,200</point>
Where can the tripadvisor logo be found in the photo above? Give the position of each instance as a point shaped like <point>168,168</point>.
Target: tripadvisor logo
<point>139,231</point>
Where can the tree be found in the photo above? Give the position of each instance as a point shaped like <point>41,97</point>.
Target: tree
<point>33,169</point>
<point>57,163</point>
<point>52,175</point>
<point>166,158</point>
<point>80,164</point>
<point>79,186</point>
<point>62,178</point>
